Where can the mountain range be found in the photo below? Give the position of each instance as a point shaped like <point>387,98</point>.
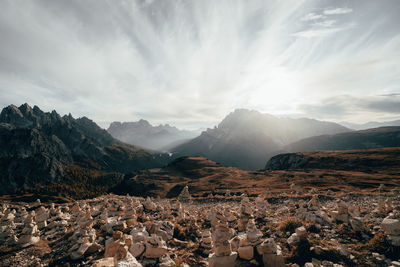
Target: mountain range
<point>143,134</point>
<point>41,148</point>
<point>46,153</point>
<point>248,138</point>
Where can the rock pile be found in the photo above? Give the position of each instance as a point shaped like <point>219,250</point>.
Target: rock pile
<point>133,231</point>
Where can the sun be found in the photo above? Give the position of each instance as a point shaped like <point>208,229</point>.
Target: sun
<point>277,92</point>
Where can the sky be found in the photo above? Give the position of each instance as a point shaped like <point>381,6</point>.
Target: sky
<point>189,63</point>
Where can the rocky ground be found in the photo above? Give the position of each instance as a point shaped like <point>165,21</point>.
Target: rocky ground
<point>295,229</point>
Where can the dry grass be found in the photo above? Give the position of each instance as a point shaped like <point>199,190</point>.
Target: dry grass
<point>289,225</point>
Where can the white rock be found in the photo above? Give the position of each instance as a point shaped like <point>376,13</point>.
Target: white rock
<point>391,226</point>
<point>293,240</point>
<point>301,231</point>
<point>105,262</point>
<point>128,261</point>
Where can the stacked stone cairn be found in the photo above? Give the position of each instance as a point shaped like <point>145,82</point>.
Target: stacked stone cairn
<point>246,211</point>
<point>223,255</point>
<point>30,233</point>
<point>391,227</point>
<point>249,241</point>
<point>185,195</point>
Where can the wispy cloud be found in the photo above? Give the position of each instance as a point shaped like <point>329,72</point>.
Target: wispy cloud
<point>325,23</point>
<point>312,16</point>
<point>338,11</point>
<point>317,32</point>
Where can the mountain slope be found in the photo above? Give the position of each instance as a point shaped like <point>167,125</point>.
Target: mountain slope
<point>365,139</point>
<point>37,147</point>
<point>143,134</point>
<point>246,138</point>
<point>325,170</point>
<point>371,124</point>
<point>367,160</point>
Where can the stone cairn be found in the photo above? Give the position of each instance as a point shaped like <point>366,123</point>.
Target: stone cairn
<point>84,236</point>
<point>30,232</point>
<point>139,237</point>
<point>271,253</point>
<point>246,212</point>
<point>249,241</point>
<point>42,214</point>
<point>185,195</point>
<point>206,242</point>
<point>223,256</point>
<point>391,226</point>
<point>295,189</point>
<point>343,215</point>
<point>261,207</point>
<point>7,234</point>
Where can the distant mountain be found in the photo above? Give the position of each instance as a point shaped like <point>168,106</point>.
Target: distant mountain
<point>369,125</point>
<point>40,148</point>
<point>143,134</point>
<point>246,138</point>
<point>365,139</point>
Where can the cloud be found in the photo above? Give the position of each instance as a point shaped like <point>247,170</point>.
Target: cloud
<point>338,11</point>
<point>189,63</point>
<point>317,32</point>
<point>312,16</point>
<point>346,107</point>
<point>387,105</point>
<point>325,23</point>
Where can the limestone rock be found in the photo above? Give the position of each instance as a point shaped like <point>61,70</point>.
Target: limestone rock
<point>128,261</point>
<point>105,262</point>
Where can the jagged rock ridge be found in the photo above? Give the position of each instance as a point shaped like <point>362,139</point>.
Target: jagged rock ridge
<point>36,147</point>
